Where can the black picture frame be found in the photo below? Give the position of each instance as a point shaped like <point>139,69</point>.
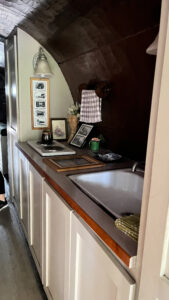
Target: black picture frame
<point>59,128</point>
<point>81,135</point>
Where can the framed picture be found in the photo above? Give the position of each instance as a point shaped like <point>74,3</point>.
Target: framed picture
<point>59,129</point>
<point>40,103</point>
<point>81,135</point>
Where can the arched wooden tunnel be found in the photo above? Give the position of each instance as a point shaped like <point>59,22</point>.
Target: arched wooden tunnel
<point>101,40</point>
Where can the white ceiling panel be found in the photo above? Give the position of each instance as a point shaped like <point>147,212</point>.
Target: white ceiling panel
<point>12,12</point>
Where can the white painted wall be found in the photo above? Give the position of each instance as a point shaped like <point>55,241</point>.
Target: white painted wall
<point>60,96</point>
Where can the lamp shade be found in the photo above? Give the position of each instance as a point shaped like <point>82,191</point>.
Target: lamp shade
<point>41,67</point>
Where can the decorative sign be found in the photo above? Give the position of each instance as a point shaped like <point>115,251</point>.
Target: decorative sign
<point>40,103</point>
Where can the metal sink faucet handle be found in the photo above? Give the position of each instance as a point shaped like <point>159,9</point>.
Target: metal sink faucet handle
<point>136,164</point>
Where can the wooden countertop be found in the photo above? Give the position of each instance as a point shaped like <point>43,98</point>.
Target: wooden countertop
<point>98,219</point>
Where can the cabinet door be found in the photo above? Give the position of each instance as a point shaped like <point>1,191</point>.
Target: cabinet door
<point>95,273</point>
<point>13,168</point>
<point>24,194</point>
<point>10,143</point>
<point>11,78</point>
<point>35,238</point>
<point>56,220</point>
<point>15,164</point>
<point>11,90</point>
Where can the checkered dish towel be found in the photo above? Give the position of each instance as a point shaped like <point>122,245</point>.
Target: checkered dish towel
<point>90,111</point>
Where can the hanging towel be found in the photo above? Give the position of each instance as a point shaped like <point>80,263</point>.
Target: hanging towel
<point>90,110</point>
<point>129,225</point>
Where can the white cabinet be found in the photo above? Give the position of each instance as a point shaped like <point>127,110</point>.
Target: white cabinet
<point>11,88</point>
<point>72,261</point>
<point>15,164</point>
<point>12,81</point>
<point>56,241</point>
<point>30,190</point>
<point>35,219</point>
<point>94,271</point>
<point>13,168</point>
<point>24,192</point>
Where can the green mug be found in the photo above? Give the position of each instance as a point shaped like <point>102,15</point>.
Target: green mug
<point>94,145</point>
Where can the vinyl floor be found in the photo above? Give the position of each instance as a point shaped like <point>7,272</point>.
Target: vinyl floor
<point>19,279</point>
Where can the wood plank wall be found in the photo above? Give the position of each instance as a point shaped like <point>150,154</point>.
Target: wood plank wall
<point>105,40</point>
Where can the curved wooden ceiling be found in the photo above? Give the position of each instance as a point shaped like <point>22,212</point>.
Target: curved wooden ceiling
<point>99,40</point>
<point>14,12</point>
<point>70,27</point>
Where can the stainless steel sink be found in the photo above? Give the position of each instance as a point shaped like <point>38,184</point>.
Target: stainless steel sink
<point>118,191</point>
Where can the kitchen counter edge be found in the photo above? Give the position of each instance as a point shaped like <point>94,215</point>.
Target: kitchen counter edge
<point>101,223</point>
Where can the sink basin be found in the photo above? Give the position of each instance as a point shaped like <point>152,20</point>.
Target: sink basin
<point>118,191</point>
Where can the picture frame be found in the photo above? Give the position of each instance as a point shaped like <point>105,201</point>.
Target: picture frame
<point>81,135</point>
<point>71,163</point>
<point>40,103</point>
<point>59,128</point>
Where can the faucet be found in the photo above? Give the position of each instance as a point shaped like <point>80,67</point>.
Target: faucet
<point>136,164</point>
